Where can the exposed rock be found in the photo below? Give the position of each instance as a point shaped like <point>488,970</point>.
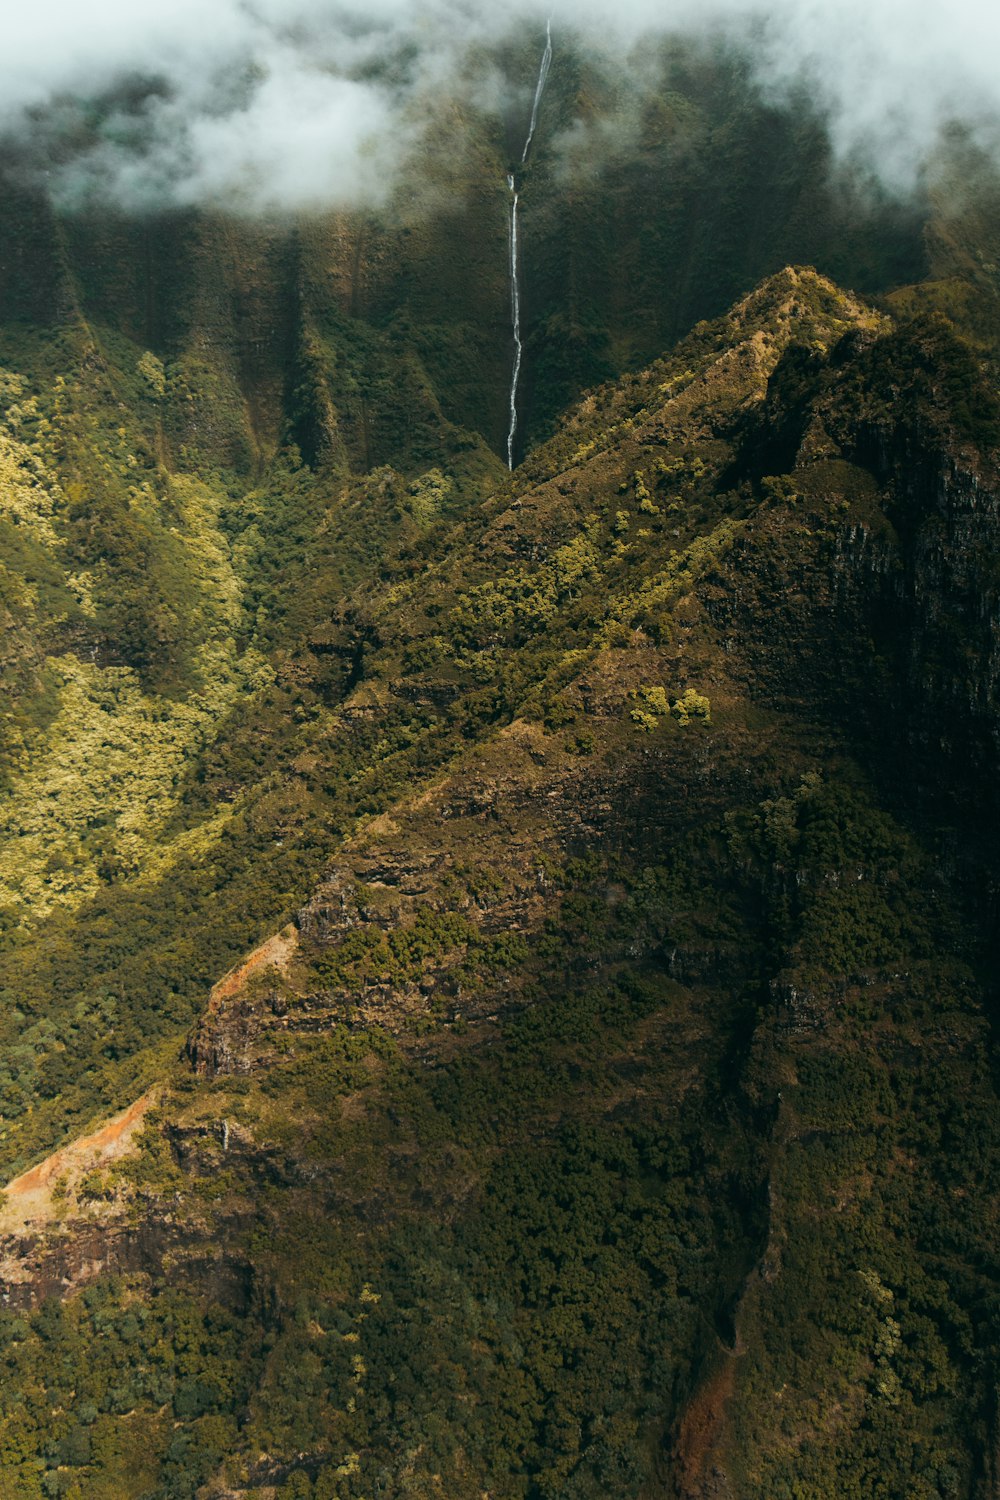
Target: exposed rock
<point>30,1198</point>
<point>222,1040</point>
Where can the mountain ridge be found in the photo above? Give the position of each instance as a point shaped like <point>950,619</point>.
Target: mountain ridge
<point>640,1006</point>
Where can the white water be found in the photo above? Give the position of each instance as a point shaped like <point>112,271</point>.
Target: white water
<point>543,74</point>
<point>515,311</point>
<point>515,250</point>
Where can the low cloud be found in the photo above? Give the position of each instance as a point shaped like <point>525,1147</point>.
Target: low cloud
<point>282,105</point>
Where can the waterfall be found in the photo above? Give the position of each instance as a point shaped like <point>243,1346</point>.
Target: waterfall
<point>515,250</point>
<point>515,312</point>
<point>543,74</point>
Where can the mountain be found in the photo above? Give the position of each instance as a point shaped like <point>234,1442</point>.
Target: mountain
<point>499,966</point>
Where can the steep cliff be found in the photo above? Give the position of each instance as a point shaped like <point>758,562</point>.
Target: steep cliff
<point>600,1102</point>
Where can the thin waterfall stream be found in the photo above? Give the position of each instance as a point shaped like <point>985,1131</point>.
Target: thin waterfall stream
<point>515,249</point>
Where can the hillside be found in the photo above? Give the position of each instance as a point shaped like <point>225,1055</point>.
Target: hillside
<point>500,966</point>
<point>626,1071</point>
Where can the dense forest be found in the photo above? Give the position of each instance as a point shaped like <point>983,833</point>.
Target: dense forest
<point>499,967</point>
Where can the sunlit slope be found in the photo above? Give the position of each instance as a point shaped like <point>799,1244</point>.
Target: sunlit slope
<point>625,1060</point>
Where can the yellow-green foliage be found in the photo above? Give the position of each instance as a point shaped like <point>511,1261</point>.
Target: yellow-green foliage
<point>521,602</point>
<point>691,705</point>
<point>97,791</point>
<point>27,492</point>
<point>648,606</point>
<point>644,499</point>
<point>677,383</point>
<point>93,788</point>
<point>426,495</point>
<point>152,371</point>
<point>781,490</point>
<point>656,705</point>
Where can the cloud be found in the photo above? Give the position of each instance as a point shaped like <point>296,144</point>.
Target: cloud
<point>889,74</point>
<point>265,105</point>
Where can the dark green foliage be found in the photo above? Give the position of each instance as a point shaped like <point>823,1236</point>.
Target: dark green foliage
<point>721,1095</point>
<point>175,1371</point>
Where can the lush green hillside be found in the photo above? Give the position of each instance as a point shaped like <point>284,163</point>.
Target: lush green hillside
<point>213,432</point>
<point>628,1073</point>
<point>610,1108</point>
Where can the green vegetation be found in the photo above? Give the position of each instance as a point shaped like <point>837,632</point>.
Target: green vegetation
<point>506,1270</point>
<point>626,1109</point>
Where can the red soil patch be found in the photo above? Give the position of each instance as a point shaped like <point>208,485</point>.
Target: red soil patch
<point>273,954</point>
<point>29,1196</point>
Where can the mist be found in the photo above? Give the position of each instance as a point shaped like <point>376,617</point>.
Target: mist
<point>263,106</point>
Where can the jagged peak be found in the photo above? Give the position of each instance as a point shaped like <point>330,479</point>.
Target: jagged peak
<point>809,292</point>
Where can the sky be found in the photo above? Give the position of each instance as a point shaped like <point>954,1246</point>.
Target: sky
<point>284,105</point>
